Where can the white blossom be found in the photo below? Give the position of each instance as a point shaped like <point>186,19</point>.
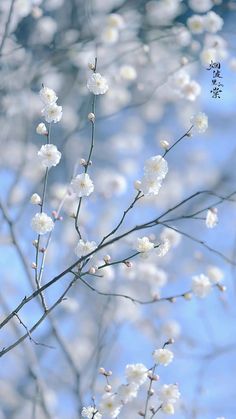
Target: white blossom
<point>42,223</point>
<point>35,199</point>
<point>163,356</point>
<point>196,24</point>
<point>97,84</point>
<point>169,393</point>
<point>49,155</point>
<point>201,285</point>
<point>143,245</point>
<point>201,6</point>
<point>136,373</point>
<point>212,218</point>
<point>156,166</point>
<point>163,248</point>
<point>41,129</point>
<point>127,392</point>
<point>215,274</point>
<point>149,185</point>
<point>52,113</point>
<point>109,35</point>
<point>82,185</point>
<point>200,122</point>
<point>110,405</point>
<point>115,20</point>
<point>168,408</point>
<point>128,72</point>
<point>213,22</point>
<point>83,247</point>
<point>90,412</point>
<point>48,96</point>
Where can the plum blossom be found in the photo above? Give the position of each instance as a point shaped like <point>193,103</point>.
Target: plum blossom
<point>163,356</point>
<point>201,285</point>
<point>156,166</point>
<point>82,185</point>
<point>41,129</point>
<point>35,199</point>
<point>169,393</point>
<point>212,218</point>
<point>97,84</point>
<point>85,247</point>
<point>49,155</point>
<point>143,245</point>
<point>127,392</point>
<point>52,113</point>
<point>136,373</point>
<point>42,223</point>
<point>90,412</point>
<point>110,405</point>
<point>196,24</point>
<point>200,122</point>
<point>48,96</point>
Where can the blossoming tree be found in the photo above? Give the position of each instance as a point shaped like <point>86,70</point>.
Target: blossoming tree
<point>113,208</point>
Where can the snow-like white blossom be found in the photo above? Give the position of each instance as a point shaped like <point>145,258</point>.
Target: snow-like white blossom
<point>35,199</point>
<point>212,218</point>
<point>163,248</point>
<point>201,6</point>
<point>201,285</point>
<point>168,408</point>
<point>48,96</point>
<point>42,223</point>
<point>156,166</point>
<point>115,20</point>
<point>136,373</point>
<point>149,185</point>
<point>127,392</point>
<point>49,155</point>
<point>191,90</point>
<point>41,129</point>
<point>213,22</point>
<point>128,72</point>
<point>110,405</point>
<point>83,247</point>
<point>163,356</point>
<point>215,274</point>
<point>200,122</point>
<point>109,35</point>
<point>169,393</point>
<point>143,244</point>
<point>90,412</point>
<point>52,113</point>
<point>82,185</point>
<point>196,24</point>
<point>97,84</point>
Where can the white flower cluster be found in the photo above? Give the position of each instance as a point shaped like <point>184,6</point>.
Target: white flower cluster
<point>201,285</point>
<point>184,86</point>
<point>211,22</point>
<point>136,376</point>
<point>155,171</point>
<point>51,112</point>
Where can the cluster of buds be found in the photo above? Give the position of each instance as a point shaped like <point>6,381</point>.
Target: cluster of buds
<point>56,216</point>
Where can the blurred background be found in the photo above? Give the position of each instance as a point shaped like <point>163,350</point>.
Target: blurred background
<point>156,68</point>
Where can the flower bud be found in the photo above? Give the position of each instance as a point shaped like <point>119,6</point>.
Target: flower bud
<point>35,199</point>
<point>164,144</point>
<point>41,129</point>
<point>107,258</point>
<point>108,388</point>
<point>91,117</point>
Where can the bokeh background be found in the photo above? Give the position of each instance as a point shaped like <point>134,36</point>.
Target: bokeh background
<point>51,42</point>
